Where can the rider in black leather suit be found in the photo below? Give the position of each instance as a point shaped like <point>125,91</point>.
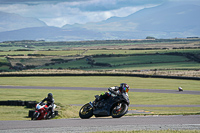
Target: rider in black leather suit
<point>114,91</point>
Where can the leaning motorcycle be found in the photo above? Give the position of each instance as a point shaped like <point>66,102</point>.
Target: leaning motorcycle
<point>115,106</point>
<point>41,112</point>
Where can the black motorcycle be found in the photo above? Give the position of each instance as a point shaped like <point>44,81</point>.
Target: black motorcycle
<point>116,107</point>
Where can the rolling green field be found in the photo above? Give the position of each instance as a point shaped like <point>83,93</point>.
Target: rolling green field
<point>119,61</point>
<point>42,45</point>
<point>134,62</point>
<point>95,52</point>
<point>128,51</point>
<point>131,55</point>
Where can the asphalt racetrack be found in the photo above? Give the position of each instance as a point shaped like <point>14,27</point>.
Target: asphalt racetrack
<point>77,125</point>
<point>101,89</point>
<point>126,123</point>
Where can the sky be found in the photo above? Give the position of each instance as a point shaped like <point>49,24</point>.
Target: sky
<point>60,12</point>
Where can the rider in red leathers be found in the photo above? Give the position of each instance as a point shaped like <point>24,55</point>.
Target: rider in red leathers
<point>50,104</point>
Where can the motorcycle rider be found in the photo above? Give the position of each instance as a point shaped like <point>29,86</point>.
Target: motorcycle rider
<point>114,91</point>
<point>50,104</point>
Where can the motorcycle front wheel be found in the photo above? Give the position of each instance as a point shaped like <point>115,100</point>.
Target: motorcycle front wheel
<point>35,116</point>
<point>86,111</point>
<point>119,110</point>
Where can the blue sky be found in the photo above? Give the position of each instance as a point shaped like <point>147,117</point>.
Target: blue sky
<point>61,12</point>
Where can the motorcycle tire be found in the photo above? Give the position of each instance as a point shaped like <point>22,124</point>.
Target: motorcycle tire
<point>117,113</point>
<point>86,111</point>
<point>34,117</point>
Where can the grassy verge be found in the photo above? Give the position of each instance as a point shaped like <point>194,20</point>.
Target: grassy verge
<point>63,98</point>
<point>13,113</point>
<point>166,110</point>
<point>145,131</point>
<point>102,81</point>
<point>66,98</point>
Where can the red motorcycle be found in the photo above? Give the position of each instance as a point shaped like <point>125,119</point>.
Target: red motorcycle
<point>40,112</point>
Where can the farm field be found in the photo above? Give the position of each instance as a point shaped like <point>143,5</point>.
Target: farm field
<point>160,56</point>
<point>100,44</point>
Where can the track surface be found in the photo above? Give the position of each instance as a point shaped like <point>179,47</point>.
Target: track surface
<point>102,89</point>
<point>104,124</point>
<point>190,122</point>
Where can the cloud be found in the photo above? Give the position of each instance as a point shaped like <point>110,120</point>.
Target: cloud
<point>105,5</point>
<point>59,12</point>
<point>86,16</point>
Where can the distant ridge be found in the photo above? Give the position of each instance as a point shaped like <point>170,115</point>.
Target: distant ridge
<point>165,21</point>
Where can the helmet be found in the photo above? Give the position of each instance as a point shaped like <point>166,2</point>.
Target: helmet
<point>124,87</point>
<point>50,95</point>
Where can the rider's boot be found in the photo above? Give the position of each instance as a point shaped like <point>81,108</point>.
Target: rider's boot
<point>95,103</point>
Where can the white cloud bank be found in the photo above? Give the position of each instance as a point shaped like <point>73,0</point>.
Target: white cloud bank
<point>58,13</point>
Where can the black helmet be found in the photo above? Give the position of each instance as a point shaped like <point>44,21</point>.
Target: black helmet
<point>124,87</point>
<point>50,95</point>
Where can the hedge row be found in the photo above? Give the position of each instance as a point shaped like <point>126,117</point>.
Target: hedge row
<point>100,74</point>
<point>28,104</point>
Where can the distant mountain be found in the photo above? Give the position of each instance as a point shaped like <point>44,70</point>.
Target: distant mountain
<point>168,20</point>
<point>11,21</point>
<point>165,21</point>
<point>176,21</point>
<point>49,34</point>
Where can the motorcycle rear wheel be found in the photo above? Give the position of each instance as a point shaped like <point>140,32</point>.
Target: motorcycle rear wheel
<point>86,111</point>
<point>117,113</point>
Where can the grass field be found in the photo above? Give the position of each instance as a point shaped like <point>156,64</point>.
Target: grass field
<point>102,81</point>
<point>127,51</point>
<point>137,62</point>
<point>95,52</point>
<point>65,98</point>
<point>141,59</point>
<point>146,67</point>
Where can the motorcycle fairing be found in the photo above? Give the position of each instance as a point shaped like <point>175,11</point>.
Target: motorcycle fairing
<point>109,103</point>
